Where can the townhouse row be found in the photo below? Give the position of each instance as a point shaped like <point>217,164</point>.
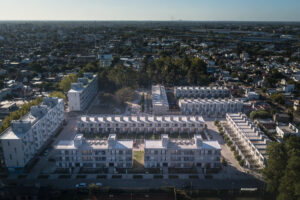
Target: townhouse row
<point>80,152</point>
<point>140,124</point>
<point>166,152</point>
<point>249,141</point>
<point>210,107</point>
<point>201,92</point>
<point>182,153</point>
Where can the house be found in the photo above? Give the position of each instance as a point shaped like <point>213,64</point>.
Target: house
<point>283,130</point>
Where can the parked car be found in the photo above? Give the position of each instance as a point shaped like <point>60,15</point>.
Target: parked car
<point>81,185</point>
<point>99,184</point>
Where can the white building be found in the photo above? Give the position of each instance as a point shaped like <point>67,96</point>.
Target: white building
<point>160,103</point>
<point>210,107</point>
<point>80,152</point>
<point>27,136</point>
<point>285,130</point>
<point>252,95</point>
<point>141,124</point>
<point>201,92</point>
<point>182,153</point>
<point>105,60</point>
<point>82,92</point>
<point>249,141</point>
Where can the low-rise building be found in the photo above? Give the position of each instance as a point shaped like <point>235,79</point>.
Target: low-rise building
<point>96,153</point>
<point>182,153</point>
<point>252,95</point>
<point>160,103</point>
<point>210,107</point>
<point>105,60</point>
<point>27,136</point>
<point>82,92</point>
<point>286,130</point>
<point>201,92</point>
<point>248,140</point>
<point>141,124</point>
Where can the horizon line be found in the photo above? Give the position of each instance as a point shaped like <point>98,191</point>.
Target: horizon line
<point>136,20</point>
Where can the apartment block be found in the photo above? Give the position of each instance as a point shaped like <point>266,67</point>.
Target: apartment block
<point>141,124</point>
<point>82,92</point>
<point>210,107</point>
<point>249,141</point>
<point>182,153</point>
<point>160,103</point>
<point>201,92</point>
<point>96,153</point>
<point>27,136</point>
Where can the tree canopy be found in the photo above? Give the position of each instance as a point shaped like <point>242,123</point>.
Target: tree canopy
<point>59,95</point>
<point>282,172</point>
<point>260,114</point>
<point>25,108</point>
<point>65,84</point>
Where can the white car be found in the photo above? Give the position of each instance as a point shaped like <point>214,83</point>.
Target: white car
<point>99,184</point>
<point>81,185</point>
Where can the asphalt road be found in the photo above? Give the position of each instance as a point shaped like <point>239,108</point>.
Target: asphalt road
<point>146,184</point>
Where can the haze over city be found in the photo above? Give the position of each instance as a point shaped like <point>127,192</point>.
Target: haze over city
<point>196,10</point>
<point>154,100</point>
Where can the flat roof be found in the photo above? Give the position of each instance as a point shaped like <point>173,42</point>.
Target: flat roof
<point>10,134</point>
<point>142,119</point>
<point>94,144</point>
<point>181,144</point>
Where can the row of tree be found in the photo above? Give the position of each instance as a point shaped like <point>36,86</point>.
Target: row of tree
<point>25,108</point>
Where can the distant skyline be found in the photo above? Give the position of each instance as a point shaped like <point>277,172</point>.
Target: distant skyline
<point>160,10</point>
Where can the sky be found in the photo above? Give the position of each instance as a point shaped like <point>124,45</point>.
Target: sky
<point>196,10</point>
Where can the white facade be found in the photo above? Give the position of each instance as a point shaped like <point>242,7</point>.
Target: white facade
<point>82,92</point>
<point>80,152</point>
<point>182,153</point>
<point>252,95</point>
<point>25,138</point>
<point>141,124</point>
<point>201,92</point>
<point>160,103</point>
<point>210,107</point>
<point>283,131</point>
<point>249,141</point>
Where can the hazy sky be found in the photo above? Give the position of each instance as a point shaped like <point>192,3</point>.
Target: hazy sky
<point>241,10</point>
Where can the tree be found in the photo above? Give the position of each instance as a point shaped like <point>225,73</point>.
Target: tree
<point>65,84</point>
<point>124,94</point>
<point>25,108</point>
<point>282,172</point>
<point>261,114</point>
<point>59,95</point>
<point>278,98</point>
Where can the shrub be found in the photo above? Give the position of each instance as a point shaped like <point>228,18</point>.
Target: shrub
<point>242,162</point>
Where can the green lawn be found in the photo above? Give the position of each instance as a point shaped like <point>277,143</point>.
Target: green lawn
<point>138,159</point>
